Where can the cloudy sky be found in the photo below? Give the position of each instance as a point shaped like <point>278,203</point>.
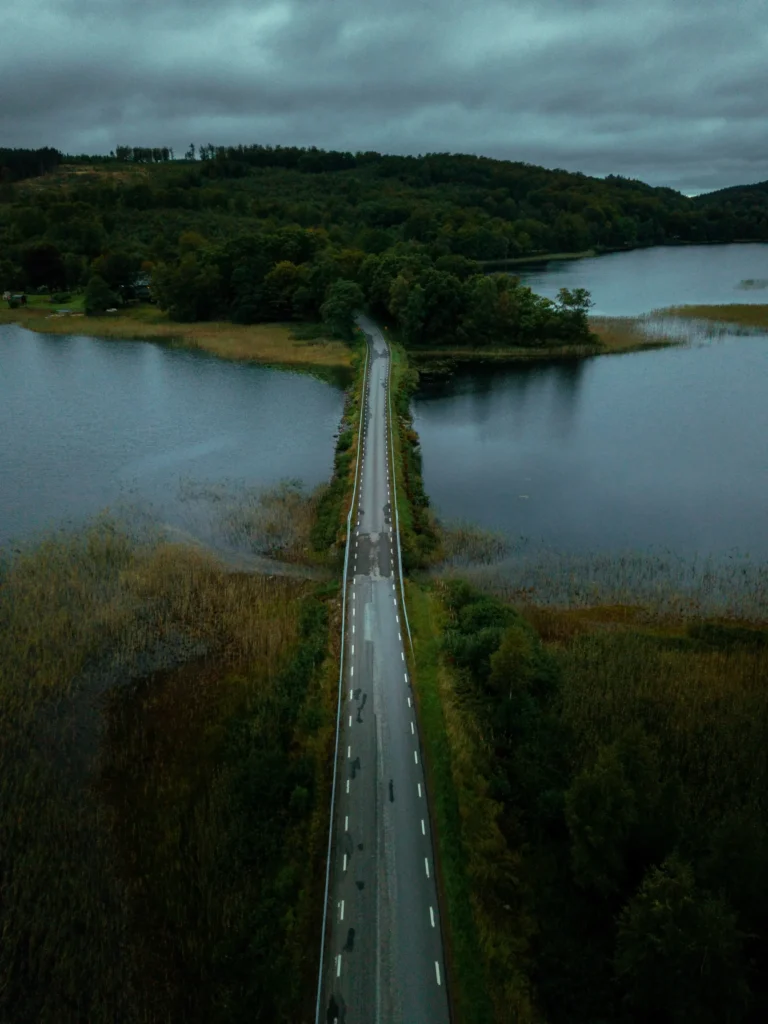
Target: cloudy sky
<point>670,91</point>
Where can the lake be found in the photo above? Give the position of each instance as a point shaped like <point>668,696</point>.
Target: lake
<point>636,282</point>
<point>86,424</point>
<point>651,451</point>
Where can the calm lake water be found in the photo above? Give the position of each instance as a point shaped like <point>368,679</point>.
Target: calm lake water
<point>659,450</point>
<point>86,424</point>
<point>631,283</point>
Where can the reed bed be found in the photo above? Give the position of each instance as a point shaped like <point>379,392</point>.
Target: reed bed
<point>273,344</point>
<point>154,758</point>
<point>275,522</point>
<point>671,583</point>
<point>744,314</point>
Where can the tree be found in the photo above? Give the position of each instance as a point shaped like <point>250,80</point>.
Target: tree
<point>74,269</point>
<point>98,296</point>
<point>600,812</point>
<point>118,269</point>
<point>679,953</point>
<point>512,665</point>
<point>343,300</point>
<point>191,290</point>
<point>573,306</point>
<point>280,286</point>
<point>43,265</point>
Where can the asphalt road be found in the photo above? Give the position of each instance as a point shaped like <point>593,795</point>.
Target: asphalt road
<point>383,961</point>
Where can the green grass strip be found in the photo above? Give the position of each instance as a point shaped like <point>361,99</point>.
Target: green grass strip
<point>468,984</point>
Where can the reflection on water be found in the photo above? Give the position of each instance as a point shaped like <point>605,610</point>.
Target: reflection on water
<point>633,283</point>
<point>86,424</point>
<point>652,450</point>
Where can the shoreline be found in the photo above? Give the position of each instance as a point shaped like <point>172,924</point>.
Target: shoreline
<point>606,251</point>
<point>616,336</point>
<point>268,344</point>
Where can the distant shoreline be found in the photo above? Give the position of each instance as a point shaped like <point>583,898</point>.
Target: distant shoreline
<point>604,251</point>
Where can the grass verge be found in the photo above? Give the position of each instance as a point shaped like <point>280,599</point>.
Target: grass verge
<point>469,984</point>
<point>328,534</point>
<point>485,924</point>
<point>419,538</point>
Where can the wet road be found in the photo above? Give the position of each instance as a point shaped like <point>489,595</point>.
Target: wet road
<point>383,959</point>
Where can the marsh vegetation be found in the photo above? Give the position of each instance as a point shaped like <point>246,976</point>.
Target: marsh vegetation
<point>600,806</point>
<point>166,727</point>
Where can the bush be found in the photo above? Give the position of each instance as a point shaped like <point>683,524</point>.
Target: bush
<point>60,297</point>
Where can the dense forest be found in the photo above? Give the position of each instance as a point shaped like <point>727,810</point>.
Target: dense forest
<point>614,811</point>
<point>256,233</point>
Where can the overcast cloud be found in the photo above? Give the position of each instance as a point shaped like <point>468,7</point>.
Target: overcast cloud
<point>670,91</point>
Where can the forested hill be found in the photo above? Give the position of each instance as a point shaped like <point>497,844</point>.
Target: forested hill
<point>260,232</point>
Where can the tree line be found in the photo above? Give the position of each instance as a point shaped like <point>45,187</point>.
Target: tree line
<point>434,218</point>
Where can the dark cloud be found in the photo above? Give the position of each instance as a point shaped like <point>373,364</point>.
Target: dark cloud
<point>670,91</point>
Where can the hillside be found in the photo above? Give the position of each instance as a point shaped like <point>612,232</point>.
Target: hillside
<point>257,233</point>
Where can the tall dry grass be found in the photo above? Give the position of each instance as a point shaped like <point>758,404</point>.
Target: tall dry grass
<point>706,707</point>
<point>744,314</point>
<point>670,583</point>
<point>121,803</point>
<point>275,522</point>
<point>273,344</point>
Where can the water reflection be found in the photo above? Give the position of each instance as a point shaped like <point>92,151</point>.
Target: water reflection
<point>636,282</point>
<point>86,424</point>
<point>663,448</point>
<point>483,393</point>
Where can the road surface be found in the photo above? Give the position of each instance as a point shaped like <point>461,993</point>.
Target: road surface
<point>383,959</point>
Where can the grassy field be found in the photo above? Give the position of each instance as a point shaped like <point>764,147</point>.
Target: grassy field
<point>744,314</point>
<point>273,344</point>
